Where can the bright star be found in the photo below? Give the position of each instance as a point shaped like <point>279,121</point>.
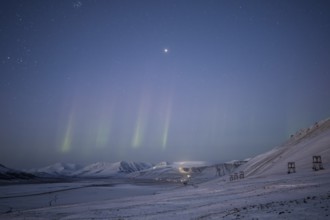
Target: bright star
<point>165,50</point>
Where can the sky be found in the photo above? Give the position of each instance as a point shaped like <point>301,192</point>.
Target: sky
<point>85,81</point>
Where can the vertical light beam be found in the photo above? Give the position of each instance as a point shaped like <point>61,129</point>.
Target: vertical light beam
<point>141,123</point>
<point>166,124</point>
<point>138,133</point>
<point>66,144</point>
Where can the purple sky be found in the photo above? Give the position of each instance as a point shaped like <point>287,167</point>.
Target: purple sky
<point>86,81</point>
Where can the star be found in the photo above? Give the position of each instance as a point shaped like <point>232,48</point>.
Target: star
<point>165,50</point>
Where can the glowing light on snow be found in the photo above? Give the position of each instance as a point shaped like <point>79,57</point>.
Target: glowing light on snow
<point>184,170</point>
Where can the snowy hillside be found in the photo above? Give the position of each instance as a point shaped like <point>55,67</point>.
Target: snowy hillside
<point>300,148</point>
<point>11,174</point>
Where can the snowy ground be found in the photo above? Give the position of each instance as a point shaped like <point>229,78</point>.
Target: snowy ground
<point>304,195</point>
<point>19,197</point>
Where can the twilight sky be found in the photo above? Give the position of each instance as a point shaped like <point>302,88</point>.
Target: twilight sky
<point>104,80</point>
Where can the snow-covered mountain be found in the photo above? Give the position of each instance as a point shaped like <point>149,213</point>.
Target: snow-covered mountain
<point>57,169</point>
<point>300,148</point>
<point>104,169</point>
<point>11,174</point>
<point>162,171</point>
<point>99,169</point>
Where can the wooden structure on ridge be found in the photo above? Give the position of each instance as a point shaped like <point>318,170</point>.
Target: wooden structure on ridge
<point>291,167</point>
<point>317,163</point>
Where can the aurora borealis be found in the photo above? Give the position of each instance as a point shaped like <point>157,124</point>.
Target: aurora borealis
<point>86,81</point>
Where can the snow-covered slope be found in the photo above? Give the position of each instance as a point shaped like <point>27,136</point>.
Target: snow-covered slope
<point>11,174</point>
<point>300,148</point>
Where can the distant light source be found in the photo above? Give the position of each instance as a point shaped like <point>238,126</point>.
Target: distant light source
<point>181,170</point>
<point>165,50</point>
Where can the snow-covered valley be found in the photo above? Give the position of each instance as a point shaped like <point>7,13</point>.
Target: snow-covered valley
<point>297,196</point>
<point>267,191</point>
